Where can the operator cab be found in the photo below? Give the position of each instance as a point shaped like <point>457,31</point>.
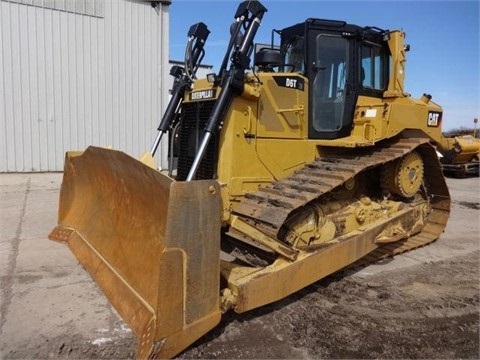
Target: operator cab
<point>341,62</point>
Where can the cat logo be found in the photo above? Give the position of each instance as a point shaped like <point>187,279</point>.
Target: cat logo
<point>434,118</point>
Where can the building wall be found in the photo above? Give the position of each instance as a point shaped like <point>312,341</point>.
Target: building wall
<point>79,73</point>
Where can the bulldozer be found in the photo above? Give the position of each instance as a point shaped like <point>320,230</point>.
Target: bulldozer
<point>296,160</point>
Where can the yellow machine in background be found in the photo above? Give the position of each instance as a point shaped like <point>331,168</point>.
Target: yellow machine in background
<point>460,155</point>
<point>315,159</point>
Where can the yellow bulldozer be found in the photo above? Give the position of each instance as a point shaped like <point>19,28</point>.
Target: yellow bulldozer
<point>297,159</point>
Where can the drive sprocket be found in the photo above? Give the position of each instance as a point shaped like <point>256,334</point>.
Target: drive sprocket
<point>404,176</point>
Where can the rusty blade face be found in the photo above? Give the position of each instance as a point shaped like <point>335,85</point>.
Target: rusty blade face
<point>151,244</point>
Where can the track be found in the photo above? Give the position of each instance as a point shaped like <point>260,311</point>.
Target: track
<point>269,207</point>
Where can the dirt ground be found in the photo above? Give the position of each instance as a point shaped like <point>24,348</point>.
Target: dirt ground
<point>429,311</point>
<point>423,304</point>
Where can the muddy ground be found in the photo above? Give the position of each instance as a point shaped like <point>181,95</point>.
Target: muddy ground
<point>423,304</point>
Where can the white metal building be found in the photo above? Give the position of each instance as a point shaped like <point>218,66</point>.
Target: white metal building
<point>75,73</point>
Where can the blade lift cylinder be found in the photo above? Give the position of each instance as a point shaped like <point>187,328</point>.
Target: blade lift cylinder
<point>249,16</point>
<point>183,78</point>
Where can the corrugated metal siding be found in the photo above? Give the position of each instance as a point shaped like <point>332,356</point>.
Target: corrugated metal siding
<point>86,7</point>
<point>70,79</point>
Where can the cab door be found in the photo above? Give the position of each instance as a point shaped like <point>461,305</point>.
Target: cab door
<point>332,95</point>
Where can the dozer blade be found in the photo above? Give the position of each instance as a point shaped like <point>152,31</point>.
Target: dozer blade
<point>152,244</point>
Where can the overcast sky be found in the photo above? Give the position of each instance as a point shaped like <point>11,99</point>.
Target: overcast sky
<point>443,36</point>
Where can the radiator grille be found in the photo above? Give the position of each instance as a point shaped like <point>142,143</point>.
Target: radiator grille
<point>195,116</point>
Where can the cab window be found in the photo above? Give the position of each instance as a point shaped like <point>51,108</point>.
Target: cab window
<point>330,82</point>
<point>373,66</point>
<point>294,55</point>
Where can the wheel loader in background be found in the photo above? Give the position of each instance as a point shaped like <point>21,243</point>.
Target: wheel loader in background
<point>290,168</point>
